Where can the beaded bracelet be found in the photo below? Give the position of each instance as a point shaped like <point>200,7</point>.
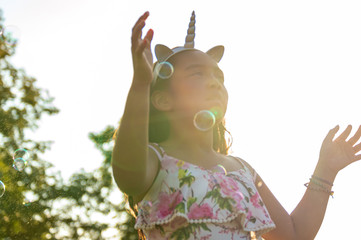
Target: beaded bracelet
<point>319,189</point>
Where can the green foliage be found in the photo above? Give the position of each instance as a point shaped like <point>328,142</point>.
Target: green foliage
<point>185,178</point>
<point>88,206</point>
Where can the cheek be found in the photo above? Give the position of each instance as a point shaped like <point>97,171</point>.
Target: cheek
<point>186,90</point>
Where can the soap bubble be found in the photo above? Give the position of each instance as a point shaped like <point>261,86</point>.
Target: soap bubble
<point>204,120</point>
<point>21,153</point>
<point>219,168</point>
<point>11,34</point>
<point>164,70</point>
<point>2,188</point>
<point>19,164</point>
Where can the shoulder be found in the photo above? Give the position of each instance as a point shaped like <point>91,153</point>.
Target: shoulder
<point>247,166</point>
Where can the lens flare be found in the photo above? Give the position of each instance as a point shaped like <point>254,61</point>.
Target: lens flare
<point>204,120</point>
<point>217,111</point>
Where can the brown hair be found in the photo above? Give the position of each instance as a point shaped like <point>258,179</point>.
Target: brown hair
<point>159,128</point>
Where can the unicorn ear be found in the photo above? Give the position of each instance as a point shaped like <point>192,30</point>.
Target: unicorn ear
<point>216,52</point>
<point>162,52</point>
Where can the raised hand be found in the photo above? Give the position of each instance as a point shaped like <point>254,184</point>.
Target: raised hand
<point>337,154</point>
<point>141,53</point>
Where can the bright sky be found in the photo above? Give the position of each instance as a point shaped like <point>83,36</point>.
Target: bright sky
<point>292,70</point>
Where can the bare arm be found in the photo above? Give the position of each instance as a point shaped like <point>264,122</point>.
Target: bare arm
<point>305,221</point>
<point>131,165</point>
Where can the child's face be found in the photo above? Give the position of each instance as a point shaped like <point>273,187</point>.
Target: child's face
<point>197,84</point>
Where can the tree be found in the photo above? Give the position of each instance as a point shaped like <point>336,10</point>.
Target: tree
<point>37,203</point>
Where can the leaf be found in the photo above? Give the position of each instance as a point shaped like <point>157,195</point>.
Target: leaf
<point>252,219</point>
<point>190,202</point>
<point>182,173</point>
<point>204,226</point>
<point>185,179</point>
<point>180,207</point>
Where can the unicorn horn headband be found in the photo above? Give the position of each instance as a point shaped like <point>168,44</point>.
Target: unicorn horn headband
<point>163,53</point>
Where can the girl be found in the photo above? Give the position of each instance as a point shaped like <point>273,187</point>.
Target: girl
<point>178,176</point>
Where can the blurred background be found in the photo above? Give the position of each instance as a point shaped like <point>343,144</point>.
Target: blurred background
<point>292,70</point>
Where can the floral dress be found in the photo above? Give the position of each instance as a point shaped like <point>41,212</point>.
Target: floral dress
<point>187,201</point>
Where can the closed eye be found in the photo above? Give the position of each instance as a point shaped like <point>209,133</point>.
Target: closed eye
<point>197,74</point>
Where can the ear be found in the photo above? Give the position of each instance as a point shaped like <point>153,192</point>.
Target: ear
<point>161,100</point>
<point>162,52</point>
<point>216,52</point>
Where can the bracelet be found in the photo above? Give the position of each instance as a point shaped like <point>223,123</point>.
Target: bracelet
<point>322,180</point>
<point>319,183</point>
<point>319,189</point>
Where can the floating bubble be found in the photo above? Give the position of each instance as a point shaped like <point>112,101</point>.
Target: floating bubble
<point>19,164</point>
<point>204,120</point>
<point>21,153</point>
<point>2,188</point>
<point>220,168</point>
<point>164,70</point>
<point>11,34</point>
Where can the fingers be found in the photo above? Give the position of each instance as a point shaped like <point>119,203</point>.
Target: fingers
<point>345,134</point>
<point>138,26</point>
<point>355,137</point>
<point>146,41</point>
<point>357,148</point>
<point>331,134</point>
<point>143,17</point>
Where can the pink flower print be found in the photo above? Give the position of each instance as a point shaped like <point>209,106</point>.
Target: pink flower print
<point>255,200</point>
<point>265,213</point>
<point>167,203</point>
<point>238,197</point>
<point>198,212</point>
<point>169,164</point>
<point>228,186</point>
